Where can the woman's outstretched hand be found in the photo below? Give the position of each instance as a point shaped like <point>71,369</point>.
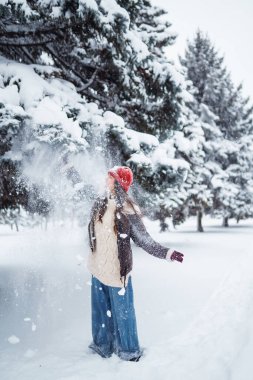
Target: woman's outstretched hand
<point>178,256</point>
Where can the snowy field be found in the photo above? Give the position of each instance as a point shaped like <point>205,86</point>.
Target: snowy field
<point>195,319</point>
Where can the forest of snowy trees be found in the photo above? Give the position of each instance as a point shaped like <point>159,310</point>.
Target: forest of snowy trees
<point>88,84</point>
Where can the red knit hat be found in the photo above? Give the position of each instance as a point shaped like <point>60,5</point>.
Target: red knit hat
<point>123,175</point>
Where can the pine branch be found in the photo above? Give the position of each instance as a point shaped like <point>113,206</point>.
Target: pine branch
<point>67,66</point>
<point>19,42</point>
<point>33,28</point>
<point>82,90</point>
<point>88,93</point>
<point>89,82</point>
<point>27,54</point>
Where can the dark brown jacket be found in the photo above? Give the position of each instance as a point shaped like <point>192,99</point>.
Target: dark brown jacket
<point>129,226</point>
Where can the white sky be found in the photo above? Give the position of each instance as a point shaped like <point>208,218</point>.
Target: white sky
<point>229,24</point>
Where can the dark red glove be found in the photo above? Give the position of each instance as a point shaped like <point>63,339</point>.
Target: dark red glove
<point>177,256</point>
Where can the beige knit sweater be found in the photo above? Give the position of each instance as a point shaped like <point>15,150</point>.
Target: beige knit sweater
<point>104,263</point>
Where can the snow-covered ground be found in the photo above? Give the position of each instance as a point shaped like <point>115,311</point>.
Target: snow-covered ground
<point>194,319</point>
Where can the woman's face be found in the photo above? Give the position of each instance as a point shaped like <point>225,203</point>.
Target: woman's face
<point>110,182</point>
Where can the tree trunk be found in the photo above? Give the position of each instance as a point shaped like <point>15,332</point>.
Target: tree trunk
<point>225,222</point>
<point>16,225</point>
<point>199,221</point>
<point>163,226</point>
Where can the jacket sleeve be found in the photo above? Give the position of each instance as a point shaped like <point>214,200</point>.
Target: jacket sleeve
<point>141,237</point>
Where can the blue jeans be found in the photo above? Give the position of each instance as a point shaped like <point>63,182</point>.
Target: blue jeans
<point>113,321</point>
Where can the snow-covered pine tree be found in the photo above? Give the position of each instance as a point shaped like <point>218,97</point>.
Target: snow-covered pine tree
<point>205,69</point>
<point>12,192</point>
<point>113,54</point>
<point>244,178</point>
<point>214,89</point>
<point>157,111</point>
<point>240,159</point>
<point>49,131</point>
<point>190,144</point>
<point>234,154</point>
<point>151,94</point>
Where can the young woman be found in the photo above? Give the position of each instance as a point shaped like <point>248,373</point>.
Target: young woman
<point>115,219</point>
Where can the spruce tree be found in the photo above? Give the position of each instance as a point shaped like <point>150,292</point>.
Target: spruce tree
<point>214,90</point>
<point>113,58</point>
<point>12,190</point>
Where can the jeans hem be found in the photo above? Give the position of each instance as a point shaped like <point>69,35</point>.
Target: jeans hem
<point>100,351</point>
<point>126,355</point>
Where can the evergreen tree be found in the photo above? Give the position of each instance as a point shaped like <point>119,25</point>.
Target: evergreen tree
<point>112,55</point>
<point>191,144</point>
<point>215,93</point>
<point>12,190</point>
